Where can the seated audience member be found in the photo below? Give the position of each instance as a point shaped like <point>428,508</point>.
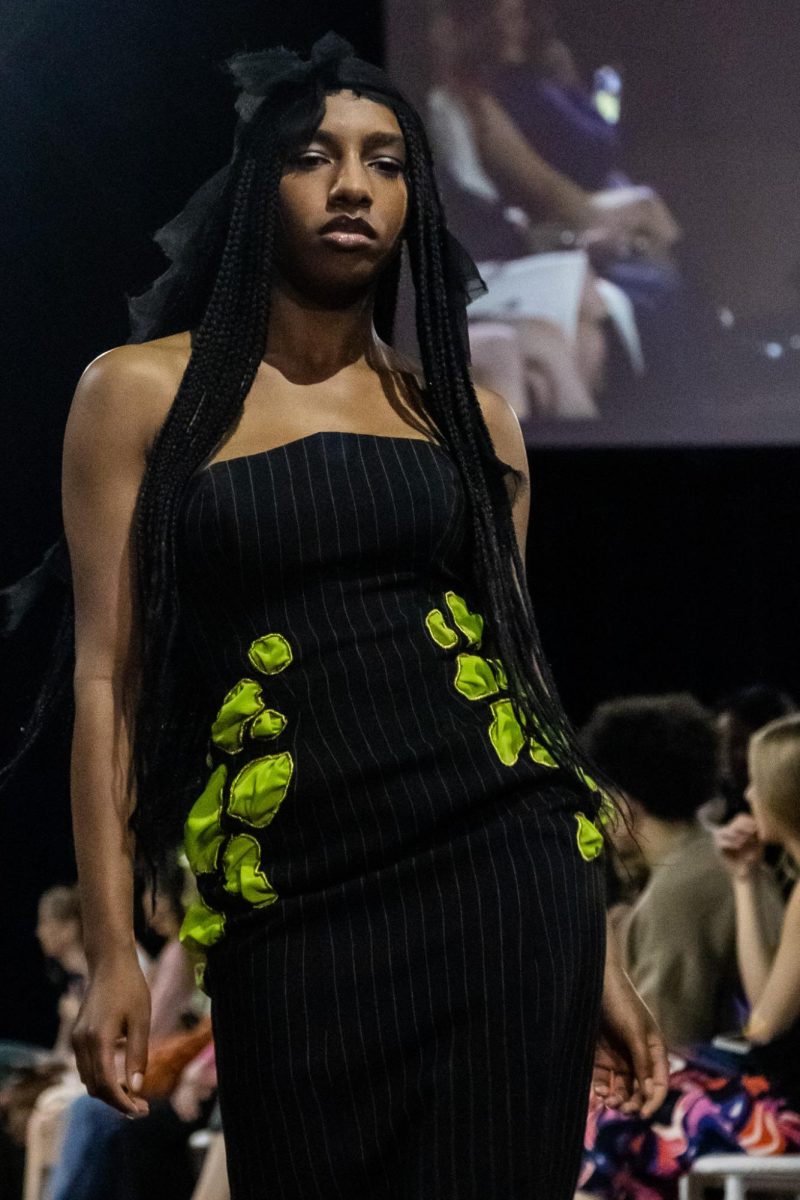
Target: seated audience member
<point>739,716</point>
<point>678,938</point>
<point>26,1070</point>
<point>527,163</point>
<point>716,1103</point>
<point>95,1163</point>
<point>106,1157</point>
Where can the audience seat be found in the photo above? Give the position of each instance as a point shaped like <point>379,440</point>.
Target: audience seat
<point>743,1176</point>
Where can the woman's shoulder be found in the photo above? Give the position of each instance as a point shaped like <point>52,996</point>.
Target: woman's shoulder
<point>129,388</point>
<point>160,361</point>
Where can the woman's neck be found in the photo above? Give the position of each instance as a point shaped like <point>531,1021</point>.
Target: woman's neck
<point>308,342</point>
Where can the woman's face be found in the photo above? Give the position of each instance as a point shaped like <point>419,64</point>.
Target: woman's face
<point>56,936</point>
<point>343,201</point>
<point>769,829</point>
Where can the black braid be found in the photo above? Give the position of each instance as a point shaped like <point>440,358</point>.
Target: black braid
<point>228,348</point>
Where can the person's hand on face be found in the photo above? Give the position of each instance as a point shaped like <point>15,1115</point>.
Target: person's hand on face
<point>739,845</point>
<point>343,200</point>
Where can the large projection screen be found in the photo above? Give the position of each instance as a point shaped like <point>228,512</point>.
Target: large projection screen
<point>627,176</point>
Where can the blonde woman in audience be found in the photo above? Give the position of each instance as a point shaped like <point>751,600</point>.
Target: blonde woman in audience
<point>750,1102</point>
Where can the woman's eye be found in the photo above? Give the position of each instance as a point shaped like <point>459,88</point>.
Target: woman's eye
<point>309,158</point>
<point>389,166</point>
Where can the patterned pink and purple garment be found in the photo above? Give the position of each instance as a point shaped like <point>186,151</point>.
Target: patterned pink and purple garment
<point>705,1112</point>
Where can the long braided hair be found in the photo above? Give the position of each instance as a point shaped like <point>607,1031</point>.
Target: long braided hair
<point>228,347</point>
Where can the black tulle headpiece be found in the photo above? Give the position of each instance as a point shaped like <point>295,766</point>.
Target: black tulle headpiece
<point>274,78</point>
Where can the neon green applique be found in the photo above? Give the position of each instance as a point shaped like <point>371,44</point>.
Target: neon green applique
<point>268,724</point>
<point>270,653</point>
<point>589,837</point>
<point>474,677</point>
<point>242,703</point>
<point>470,623</point>
<point>505,732</point>
<point>202,835</point>
<point>440,631</point>
<point>201,926</point>
<point>257,791</point>
<point>500,672</point>
<point>540,754</point>
<point>243,874</point>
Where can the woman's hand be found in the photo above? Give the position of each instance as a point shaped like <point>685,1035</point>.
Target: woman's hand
<point>631,220</point>
<point>111,1032</point>
<point>739,846</point>
<point>631,1071</point>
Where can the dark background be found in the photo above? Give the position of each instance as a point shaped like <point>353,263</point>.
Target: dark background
<point>651,570</point>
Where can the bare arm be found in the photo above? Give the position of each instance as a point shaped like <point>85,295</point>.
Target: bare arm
<point>777,1006</point>
<point>614,216</point>
<point>104,456</point>
<point>506,150</point>
<point>758,905</point>
<point>757,924</point>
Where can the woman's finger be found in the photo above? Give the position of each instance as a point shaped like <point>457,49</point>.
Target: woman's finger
<point>658,1085</point>
<point>83,1060</point>
<point>136,1055</point>
<point>107,1087</point>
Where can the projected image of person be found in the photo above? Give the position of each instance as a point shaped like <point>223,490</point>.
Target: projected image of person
<point>302,619</point>
<point>529,163</point>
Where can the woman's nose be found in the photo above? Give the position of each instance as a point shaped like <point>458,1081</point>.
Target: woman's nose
<point>352,184</point>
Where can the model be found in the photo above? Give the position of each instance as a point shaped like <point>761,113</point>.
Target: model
<point>305,647</point>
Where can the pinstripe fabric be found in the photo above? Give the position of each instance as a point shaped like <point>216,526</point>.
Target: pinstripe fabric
<point>414,1015</point>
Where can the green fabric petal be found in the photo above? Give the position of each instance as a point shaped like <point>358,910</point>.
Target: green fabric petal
<point>474,677</point>
<point>590,839</point>
<point>201,926</point>
<point>268,724</point>
<point>505,732</point>
<point>470,623</point>
<point>440,631</point>
<point>257,791</point>
<point>270,653</point>
<point>540,754</point>
<point>239,706</point>
<point>500,673</point>
<point>202,835</point>
<point>243,875</point>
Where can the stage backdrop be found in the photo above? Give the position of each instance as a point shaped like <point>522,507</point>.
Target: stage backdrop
<point>630,169</point>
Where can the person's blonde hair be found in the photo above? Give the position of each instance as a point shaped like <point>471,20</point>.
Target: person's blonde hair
<point>774,758</point>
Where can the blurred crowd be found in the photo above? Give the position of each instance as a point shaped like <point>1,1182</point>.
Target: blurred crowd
<point>703,901</point>
<point>59,1143</point>
<point>705,907</point>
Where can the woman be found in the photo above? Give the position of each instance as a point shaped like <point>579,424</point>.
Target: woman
<point>712,1107</point>
<point>281,538</point>
<point>58,931</point>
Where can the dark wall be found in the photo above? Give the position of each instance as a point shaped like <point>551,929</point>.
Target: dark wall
<point>650,570</point>
<point>660,570</point>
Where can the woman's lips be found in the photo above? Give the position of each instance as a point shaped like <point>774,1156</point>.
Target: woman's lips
<point>346,239</point>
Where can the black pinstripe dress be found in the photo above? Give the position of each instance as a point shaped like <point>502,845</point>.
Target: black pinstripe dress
<point>401,904</point>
